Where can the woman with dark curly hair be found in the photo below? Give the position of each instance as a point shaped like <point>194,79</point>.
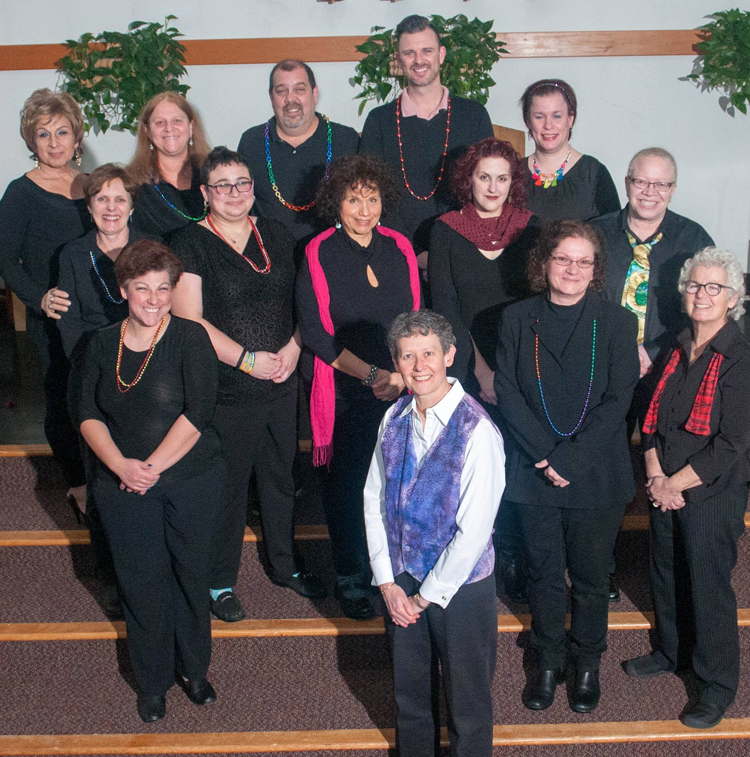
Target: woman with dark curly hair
<point>567,365</point>
<point>356,278</point>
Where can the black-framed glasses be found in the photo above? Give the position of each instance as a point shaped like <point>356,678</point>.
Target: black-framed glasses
<point>564,262</point>
<point>225,188</point>
<point>712,289</point>
<point>659,186</point>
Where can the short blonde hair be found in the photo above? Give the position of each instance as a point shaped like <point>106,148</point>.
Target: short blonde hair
<point>44,105</point>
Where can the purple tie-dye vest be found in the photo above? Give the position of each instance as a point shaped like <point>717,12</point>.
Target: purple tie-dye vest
<point>421,503</point>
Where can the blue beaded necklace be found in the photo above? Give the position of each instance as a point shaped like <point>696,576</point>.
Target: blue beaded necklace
<point>588,394</point>
<point>103,283</point>
<point>177,210</point>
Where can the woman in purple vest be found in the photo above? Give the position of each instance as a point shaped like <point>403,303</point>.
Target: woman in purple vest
<point>566,369</point>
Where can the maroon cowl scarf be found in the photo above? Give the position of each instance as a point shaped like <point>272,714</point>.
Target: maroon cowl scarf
<point>488,233</point>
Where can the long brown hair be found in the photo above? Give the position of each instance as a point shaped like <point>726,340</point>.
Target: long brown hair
<point>144,167</point>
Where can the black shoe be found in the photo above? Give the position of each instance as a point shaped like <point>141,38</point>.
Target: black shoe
<point>227,607</point>
<point>151,709</point>
<point>540,693</point>
<point>305,584</point>
<point>586,692</point>
<point>513,577</point>
<point>703,715</point>
<point>356,604</point>
<point>646,666</point>
<point>200,692</point>
<point>614,589</point>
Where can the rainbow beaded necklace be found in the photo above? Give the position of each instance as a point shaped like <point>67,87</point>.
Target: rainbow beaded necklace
<point>177,210</point>
<point>547,180</point>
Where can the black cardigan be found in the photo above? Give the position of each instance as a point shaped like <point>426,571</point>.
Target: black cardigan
<point>596,459</point>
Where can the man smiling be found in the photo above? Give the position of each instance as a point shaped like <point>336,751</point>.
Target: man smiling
<point>432,493</point>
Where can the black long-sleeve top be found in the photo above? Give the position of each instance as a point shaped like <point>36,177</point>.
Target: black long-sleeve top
<point>471,290</point>
<point>423,142</point>
<point>90,308</point>
<point>586,191</point>
<point>361,314</point>
<point>254,309</point>
<point>34,226</point>
<point>181,379</point>
<point>595,459</point>
<point>153,215</point>
<point>721,459</point>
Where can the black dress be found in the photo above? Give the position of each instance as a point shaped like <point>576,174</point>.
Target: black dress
<point>586,191</point>
<point>34,227</point>
<point>256,419</point>
<point>160,540</point>
<point>361,315</point>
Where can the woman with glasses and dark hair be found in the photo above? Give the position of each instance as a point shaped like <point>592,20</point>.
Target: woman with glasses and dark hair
<point>239,283</point>
<point>567,365</point>
<point>696,436</point>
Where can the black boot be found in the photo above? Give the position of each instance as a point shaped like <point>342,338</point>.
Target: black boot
<point>586,692</point>
<point>540,691</point>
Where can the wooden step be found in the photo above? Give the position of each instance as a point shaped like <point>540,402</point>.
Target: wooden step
<point>43,450</point>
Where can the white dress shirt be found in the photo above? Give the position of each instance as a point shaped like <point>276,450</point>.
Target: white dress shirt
<point>481,488</point>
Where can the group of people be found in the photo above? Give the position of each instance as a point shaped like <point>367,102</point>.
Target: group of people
<point>181,295</point>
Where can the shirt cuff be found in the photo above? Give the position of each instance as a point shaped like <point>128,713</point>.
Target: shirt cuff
<point>382,571</point>
<point>437,591</point>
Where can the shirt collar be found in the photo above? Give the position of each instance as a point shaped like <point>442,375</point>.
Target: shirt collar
<point>444,409</point>
<point>275,138</point>
<point>408,108</point>
<point>722,341</point>
<point>666,226</point>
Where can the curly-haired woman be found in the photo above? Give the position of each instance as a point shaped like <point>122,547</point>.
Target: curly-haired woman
<point>357,277</point>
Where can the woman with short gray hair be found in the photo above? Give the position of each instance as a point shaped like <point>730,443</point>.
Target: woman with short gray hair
<point>696,437</point>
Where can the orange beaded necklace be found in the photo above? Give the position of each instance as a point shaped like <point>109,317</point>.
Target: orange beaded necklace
<point>123,386</point>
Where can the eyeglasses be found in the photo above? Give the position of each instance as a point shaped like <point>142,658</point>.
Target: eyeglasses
<point>564,262</point>
<point>693,287</point>
<point>225,188</point>
<point>659,186</point>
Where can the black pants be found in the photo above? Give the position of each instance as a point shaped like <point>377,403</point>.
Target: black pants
<point>462,638</point>
<point>342,484</point>
<point>160,544</point>
<point>582,541</point>
<point>262,439</point>
<point>693,552</point>
<point>58,428</point>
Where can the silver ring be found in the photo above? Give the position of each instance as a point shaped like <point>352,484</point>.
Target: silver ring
<point>52,295</point>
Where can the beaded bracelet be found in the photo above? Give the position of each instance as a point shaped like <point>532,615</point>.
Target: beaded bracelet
<point>370,380</point>
<point>248,362</point>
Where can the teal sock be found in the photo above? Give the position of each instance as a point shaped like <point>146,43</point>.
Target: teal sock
<point>216,592</point>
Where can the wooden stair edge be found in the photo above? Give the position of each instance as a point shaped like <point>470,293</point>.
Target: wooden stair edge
<point>548,734</point>
<point>44,450</point>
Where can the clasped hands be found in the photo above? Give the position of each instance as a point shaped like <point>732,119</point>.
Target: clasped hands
<point>664,494</point>
<point>136,476</point>
<point>551,473</point>
<point>403,610</point>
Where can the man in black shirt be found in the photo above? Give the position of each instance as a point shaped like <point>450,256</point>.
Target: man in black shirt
<point>291,152</point>
<point>422,131</point>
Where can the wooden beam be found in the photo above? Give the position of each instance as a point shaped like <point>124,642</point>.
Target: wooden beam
<point>535,734</point>
<point>213,52</point>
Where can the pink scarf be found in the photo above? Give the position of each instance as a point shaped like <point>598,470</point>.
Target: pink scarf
<point>323,399</point>
<point>488,233</point>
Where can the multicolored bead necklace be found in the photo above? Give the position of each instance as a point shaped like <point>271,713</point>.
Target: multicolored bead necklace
<point>177,210</point>
<point>401,150</point>
<point>258,239</point>
<point>107,293</point>
<point>547,180</point>
<point>272,178</point>
<point>123,386</point>
<point>588,394</point>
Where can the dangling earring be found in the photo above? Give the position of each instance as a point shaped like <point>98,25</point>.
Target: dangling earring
<point>36,160</point>
<point>77,156</point>
<point>191,142</point>
<point>338,224</point>
<point>151,145</point>
<point>130,218</point>
<point>205,204</point>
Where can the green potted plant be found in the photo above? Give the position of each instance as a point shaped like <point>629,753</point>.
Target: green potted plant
<point>112,75</point>
<point>471,51</point>
<point>723,61</point>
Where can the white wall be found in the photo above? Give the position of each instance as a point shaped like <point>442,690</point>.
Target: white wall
<point>624,103</point>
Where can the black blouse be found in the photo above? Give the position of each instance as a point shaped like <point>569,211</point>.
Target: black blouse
<point>361,313</point>
<point>90,307</point>
<point>34,226</point>
<point>254,309</point>
<point>181,379</point>
<point>721,459</point>
<point>586,191</point>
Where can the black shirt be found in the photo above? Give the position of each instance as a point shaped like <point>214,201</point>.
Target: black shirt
<point>297,170</point>
<point>586,191</point>
<point>682,239</point>
<point>423,142</point>
<point>90,307</point>
<point>721,459</point>
<point>471,291</point>
<point>34,226</point>
<point>254,309</point>
<point>154,215</point>
<point>361,313</point>
<point>181,379</point>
